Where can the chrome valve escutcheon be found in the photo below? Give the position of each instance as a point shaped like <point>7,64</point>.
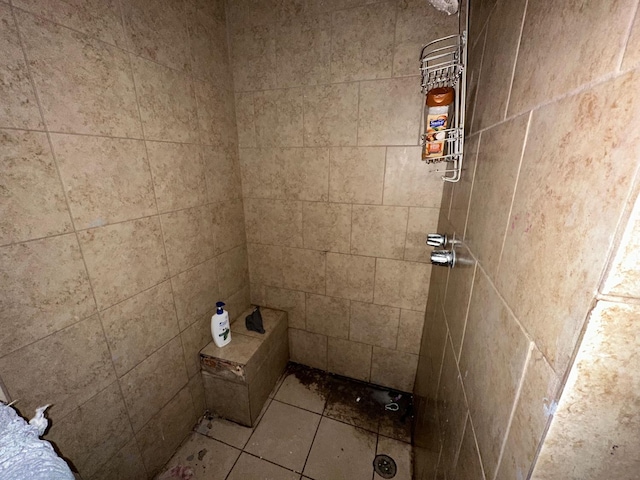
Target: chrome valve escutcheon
<point>444,258</point>
<point>437,240</point>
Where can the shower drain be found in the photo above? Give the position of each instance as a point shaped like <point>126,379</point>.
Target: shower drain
<point>385,466</point>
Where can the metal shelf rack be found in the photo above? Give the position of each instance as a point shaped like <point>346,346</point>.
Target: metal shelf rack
<point>442,64</point>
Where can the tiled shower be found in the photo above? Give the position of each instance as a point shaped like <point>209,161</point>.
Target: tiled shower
<point>158,156</point>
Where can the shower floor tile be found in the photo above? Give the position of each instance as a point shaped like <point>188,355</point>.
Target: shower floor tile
<point>315,426</point>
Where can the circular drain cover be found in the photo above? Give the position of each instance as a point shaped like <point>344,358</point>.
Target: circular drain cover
<point>385,466</point>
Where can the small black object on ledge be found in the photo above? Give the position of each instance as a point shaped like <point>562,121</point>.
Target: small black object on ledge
<point>254,321</point>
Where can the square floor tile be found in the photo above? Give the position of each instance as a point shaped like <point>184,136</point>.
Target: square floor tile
<point>341,452</point>
<point>284,435</point>
<point>225,431</point>
<point>303,388</point>
<point>207,458</point>
<point>252,468</point>
<point>401,454</point>
<point>277,385</point>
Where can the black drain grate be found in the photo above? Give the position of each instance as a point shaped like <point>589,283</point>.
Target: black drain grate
<point>385,466</point>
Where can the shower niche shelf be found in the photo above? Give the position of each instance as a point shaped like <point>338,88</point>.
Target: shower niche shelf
<point>442,64</point>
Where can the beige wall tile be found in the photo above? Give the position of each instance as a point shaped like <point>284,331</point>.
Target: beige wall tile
<point>157,31</point>
<point>162,435</point>
<point>331,115</point>
<point>458,295</point>
<point>64,369</point>
<point>265,264</point>
<point>245,120</point>
<point>554,30</point>
<point>238,302</point>
<point>308,348</point>
<point>274,222</point>
<point>124,259</point>
<point>402,284</point>
<point>84,86</point>
<point>195,292</point>
<point>469,464</point>
<point>216,115</point>
<point>152,383</point>
<point>194,338</point>
<point>476,54</point>
<point>126,465</point>
<point>253,55</point>
<point>33,202</point>
<point>389,112</point>
<point>278,117</point>
<point>462,190</point>
<point>222,171</point>
<point>379,231</point>
<point>291,301</point>
<point>107,180</point>
<point>350,359</point>
<point>422,221</point>
<point>326,226</point>
<point>410,331</point>
<point>582,179</point>
<point>362,42</point>
<point>19,108</point>
<point>374,324</point>
<point>139,326</point>
<point>167,102</point>
<point>232,270</point>
<point>246,13</point>
<point>432,347</point>
<point>350,276</point>
<point>208,43</point>
<point>228,225</point>
<point>179,178</point>
<point>479,17</point>
<point>536,404</point>
<point>408,181</point>
<point>500,51</point>
<point>262,173</point>
<point>303,270</point>
<point>306,173</point>
<point>196,387</point>
<point>94,432</point>
<point>357,175</point>
<point>632,51</point>
<point>492,359</point>
<point>60,293</point>
<point>393,369</point>
<point>188,237</point>
<point>327,315</point>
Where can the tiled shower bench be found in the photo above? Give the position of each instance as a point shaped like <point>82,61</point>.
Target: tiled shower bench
<point>239,377</point>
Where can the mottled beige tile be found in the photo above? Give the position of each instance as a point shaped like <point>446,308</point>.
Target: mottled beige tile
<point>362,42</point>
<point>469,464</point>
<point>458,294</point>
<point>239,301</point>
<point>19,108</point>
<point>232,270</point>
<point>308,348</point>
<point>265,264</point>
<point>422,221</point>
<point>273,222</point>
<point>536,403</point>
<point>303,270</point>
<point>492,363</point>
<point>291,301</point>
<point>417,23</point>
<point>253,56</point>
<point>306,173</point>
<point>278,118</point>
<point>350,276</point>
<point>178,175</point>
<point>216,115</point>
<point>249,467</point>
<point>478,19</point>
<point>139,326</point>
<point>556,30</point>
<point>247,13</point>
<point>124,465</point>
<point>475,57</point>
<point>402,284</point>
<point>194,338</point>
<point>188,237</point>
<point>245,120</point>
<point>374,324</point>
<point>580,179</point>
<point>94,432</point>
<point>263,174</point>
<point>203,456</point>
<point>162,435</point>
<point>461,192</point>
<point>327,316</point>
<point>167,102</point>
<point>157,30</point>
<point>632,50</point>
<point>394,369</point>
<point>208,43</point>
<point>408,181</point>
<point>357,175</point>
<point>228,225</point>
<point>379,231</point>
<point>432,347</point>
<point>331,115</point>
<point>222,171</point>
<point>107,180</point>
<point>326,226</point>
<point>124,259</point>
<point>152,383</point>
<point>196,388</point>
<point>195,292</point>
<point>64,369</point>
<point>33,203</point>
<point>410,331</point>
<point>36,305</point>
<point>84,85</point>
<point>390,112</point>
<point>350,359</point>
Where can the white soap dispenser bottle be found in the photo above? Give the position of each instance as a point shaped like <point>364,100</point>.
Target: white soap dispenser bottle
<point>220,328</point>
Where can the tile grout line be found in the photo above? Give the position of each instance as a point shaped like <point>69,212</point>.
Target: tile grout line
<point>630,28</point>
<point>515,58</point>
